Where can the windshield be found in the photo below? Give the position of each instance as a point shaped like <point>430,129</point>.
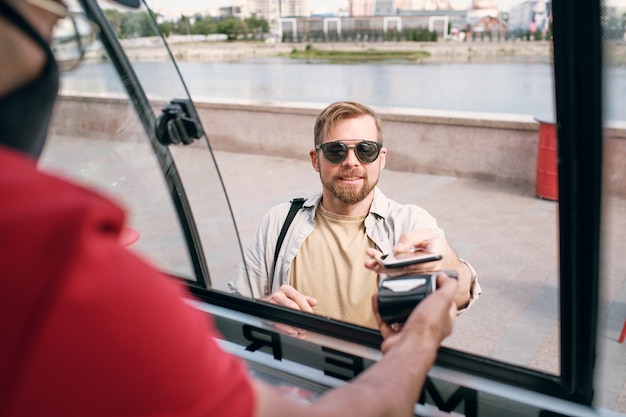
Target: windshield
<point>468,127</point>
<point>262,151</point>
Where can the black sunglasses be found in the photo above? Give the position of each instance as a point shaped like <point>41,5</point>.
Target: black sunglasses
<point>366,151</point>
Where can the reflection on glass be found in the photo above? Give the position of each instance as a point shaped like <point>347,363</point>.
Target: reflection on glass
<point>462,143</point>
<point>469,160</point>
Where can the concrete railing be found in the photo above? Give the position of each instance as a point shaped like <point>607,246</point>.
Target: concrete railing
<point>492,147</point>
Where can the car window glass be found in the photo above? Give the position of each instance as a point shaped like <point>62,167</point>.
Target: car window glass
<point>98,139</point>
<point>465,129</point>
<point>469,159</point>
<point>612,293</point>
<point>462,136</point>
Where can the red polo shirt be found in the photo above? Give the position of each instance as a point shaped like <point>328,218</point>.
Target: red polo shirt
<point>87,328</point>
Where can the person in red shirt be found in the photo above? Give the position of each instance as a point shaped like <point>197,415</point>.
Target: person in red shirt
<point>89,328</point>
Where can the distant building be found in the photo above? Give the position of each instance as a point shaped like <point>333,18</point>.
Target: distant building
<point>370,8</point>
<point>484,4</point>
<point>271,10</point>
<point>481,9</point>
<point>384,8</point>
<point>383,20</point>
<point>530,17</point>
<point>228,11</point>
<point>429,5</point>
<point>486,28</point>
<point>360,7</point>
<point>370,28</point>
<point>293,8</point>
<point>249,8</point>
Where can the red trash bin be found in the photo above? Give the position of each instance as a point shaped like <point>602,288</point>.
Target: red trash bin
<point>547,179</point>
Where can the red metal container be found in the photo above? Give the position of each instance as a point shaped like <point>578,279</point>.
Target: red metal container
<point>547,179</point>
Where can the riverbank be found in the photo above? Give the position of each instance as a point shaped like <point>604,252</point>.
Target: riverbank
<point>151,50</point>
<point>436,52</point>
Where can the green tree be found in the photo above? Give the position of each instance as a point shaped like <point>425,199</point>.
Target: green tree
<point>147,24</point>
<point>422,35</point>
<point>204,26</point>
<point>131,24</point>
<point>115,19</point>
<point>183,26</point>
<point>231,27</point>
<point>137,24</point>
<point>613,28</point>
<point>166,28</point>
<point>257,26</point>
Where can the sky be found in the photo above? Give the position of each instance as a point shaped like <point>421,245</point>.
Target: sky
<point>177,7</point>
<point>190,6</point>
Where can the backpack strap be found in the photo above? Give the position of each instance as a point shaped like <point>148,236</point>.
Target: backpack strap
<point>296,204</point>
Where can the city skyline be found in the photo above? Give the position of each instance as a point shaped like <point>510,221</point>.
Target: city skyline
<point>172,8</point>
<point>176,8</point>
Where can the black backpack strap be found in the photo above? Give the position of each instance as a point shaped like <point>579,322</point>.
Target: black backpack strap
<point>296,203</point>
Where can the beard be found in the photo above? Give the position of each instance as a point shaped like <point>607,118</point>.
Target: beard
<point>346,193</point>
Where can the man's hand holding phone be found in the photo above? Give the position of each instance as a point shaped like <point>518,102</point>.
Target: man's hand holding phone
<point>422,242</point>
<point>418,251</point>
<point>412,261</point>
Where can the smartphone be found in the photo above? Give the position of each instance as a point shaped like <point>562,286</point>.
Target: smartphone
<point>400,259</point>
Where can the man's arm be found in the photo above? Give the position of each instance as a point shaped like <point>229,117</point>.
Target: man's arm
<point>393,385</point>
<point>431,242</point>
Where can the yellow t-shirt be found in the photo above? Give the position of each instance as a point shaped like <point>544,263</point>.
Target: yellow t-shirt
<point>330,267</point>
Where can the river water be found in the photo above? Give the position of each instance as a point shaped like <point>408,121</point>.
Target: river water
<point>502,87</point>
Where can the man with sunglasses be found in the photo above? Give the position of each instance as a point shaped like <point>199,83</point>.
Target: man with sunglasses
<point>326,264</point>
<point>90,329</point>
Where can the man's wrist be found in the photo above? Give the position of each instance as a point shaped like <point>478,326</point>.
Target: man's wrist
<point>469,268</point>
<point>473,289</point>
<point>426,344</point>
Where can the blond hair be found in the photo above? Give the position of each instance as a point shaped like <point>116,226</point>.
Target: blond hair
<point>339,111</point>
